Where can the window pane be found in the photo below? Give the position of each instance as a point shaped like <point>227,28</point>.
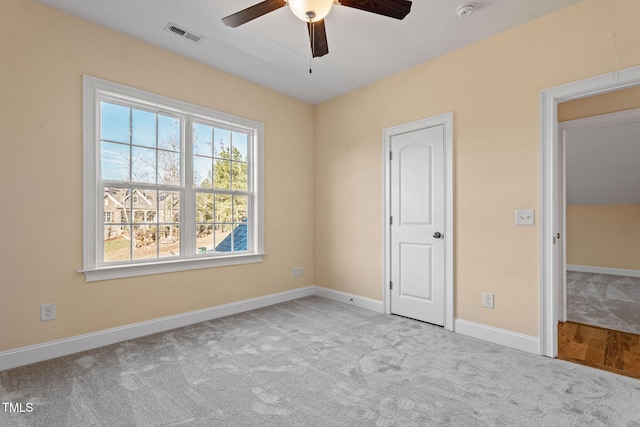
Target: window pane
<point>169,207</point>
<point>204,239</point>
<point>168,168</point>
<point>222,208</point>
<point>169,133</point>
<point>240,146</point>
<point>240,208</point>
<point>223,238</point>
<point>240,237</point>
<point>239,177</point>
<point>143,165</point>
<point>117,243</point>
<point>144,206</point>
<point>202,139</point>
<point>114,122</point>
<point>143,128</point>
<point>114,161</point>
<point>202,171</point>
<point>222,175</point>
<point>169,240</point>
<point>222,146</point>
<point>144,239</point>
<point>204,207</point>
<point>116,205</point>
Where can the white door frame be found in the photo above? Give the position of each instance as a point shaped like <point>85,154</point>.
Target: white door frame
<point>446,120</point>
<point>550,224</point>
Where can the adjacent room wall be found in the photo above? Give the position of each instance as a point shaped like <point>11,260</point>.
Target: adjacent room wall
<point>611,102</point>
<point>604,236</point>
<point>44,54</point>
<point>493,89</point>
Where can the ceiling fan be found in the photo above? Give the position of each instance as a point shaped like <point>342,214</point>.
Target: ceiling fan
<point>313,13</point>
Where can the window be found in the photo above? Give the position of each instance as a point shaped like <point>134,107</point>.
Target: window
<point>168,185</point>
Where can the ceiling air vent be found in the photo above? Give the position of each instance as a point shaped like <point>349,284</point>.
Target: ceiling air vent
<point>179,31</point>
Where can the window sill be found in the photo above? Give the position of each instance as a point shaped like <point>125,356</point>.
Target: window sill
<point>133,270</point>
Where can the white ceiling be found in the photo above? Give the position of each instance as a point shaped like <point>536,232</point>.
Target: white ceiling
<point>274,51</point>
<point>602,165</point>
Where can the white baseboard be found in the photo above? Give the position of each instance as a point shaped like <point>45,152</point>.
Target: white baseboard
<point>498,336</point>
<point>356,300</point>
<point>49,350</point>
<point>603,270</point>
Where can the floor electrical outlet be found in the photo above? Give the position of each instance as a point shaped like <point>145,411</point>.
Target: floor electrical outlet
<point>47,312</point>
<point>487,300</point>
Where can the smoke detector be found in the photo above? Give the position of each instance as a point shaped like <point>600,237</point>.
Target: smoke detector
<point>465,9</point>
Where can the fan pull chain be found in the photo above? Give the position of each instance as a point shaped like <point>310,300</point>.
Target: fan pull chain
<point>313,33</point>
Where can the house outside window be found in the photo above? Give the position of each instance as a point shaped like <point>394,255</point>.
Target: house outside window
<point>178,186</point>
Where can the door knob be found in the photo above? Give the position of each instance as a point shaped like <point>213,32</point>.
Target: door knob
<point>437,235</point>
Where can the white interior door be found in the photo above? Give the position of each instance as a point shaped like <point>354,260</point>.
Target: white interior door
<point>418,216</point>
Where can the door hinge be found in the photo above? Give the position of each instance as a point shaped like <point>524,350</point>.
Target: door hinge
<point>391,220</point>
<point>391,285</point>
<point>390,155</point>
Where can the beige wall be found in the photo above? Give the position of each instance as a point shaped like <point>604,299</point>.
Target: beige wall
<point>43,55</point>
<point>493,89</point>
<point>604,236</point>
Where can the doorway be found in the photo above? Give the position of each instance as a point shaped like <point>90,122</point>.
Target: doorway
<point>552,223</point>
<point>600,211</point>
<point>418,220</point>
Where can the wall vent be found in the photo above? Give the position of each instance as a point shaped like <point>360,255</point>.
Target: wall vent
<point>179,31</point>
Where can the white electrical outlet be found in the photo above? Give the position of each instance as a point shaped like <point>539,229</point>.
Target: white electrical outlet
<point>487,300</point>
<point>297,271</point>
<point>47,312</point>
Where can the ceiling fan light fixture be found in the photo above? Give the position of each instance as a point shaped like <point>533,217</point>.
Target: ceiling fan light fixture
<point>310,10</point>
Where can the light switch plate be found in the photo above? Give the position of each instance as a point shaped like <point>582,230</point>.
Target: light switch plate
<point>525,217</point>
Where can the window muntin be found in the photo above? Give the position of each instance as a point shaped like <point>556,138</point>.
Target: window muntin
<point>163,166</point>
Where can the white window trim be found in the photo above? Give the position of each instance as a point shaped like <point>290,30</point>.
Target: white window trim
<point>92,269</point>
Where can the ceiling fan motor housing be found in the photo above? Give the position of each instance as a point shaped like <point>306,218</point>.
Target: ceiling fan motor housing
<point>310,10</point>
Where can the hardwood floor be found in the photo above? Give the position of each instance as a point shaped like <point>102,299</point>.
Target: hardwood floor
<point>600,348</point>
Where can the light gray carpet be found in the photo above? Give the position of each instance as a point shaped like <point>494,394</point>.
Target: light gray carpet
<point>315,362</point>
<point>604,300</point>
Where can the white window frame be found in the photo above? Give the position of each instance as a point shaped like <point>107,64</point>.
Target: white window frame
<point>94,90</point>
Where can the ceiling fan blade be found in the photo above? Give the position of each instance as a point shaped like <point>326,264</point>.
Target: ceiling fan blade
<point>253,12</point>
<point>318,38</point>
<point>392,8</point>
